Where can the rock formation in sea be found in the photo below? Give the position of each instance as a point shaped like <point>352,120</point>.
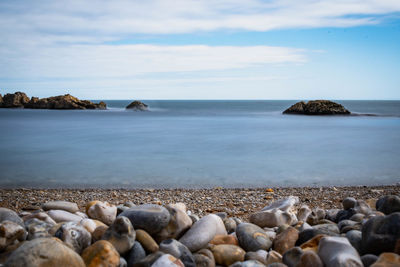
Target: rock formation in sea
<point>21,100</point>
<point>317,107</point>
<point>137,105</point>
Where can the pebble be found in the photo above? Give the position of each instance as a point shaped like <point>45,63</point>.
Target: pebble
<point>101,253</point>
<point>292,256</point>
<point>10,215</point>
<point>37,228</point>
<point>227,254</point>
<point>368,259</point>
<point>388,204</point>
<point>225,239</point>
<point>248,263</point>
<point>204,258</point>
<point>273,257</point>
<point>355,237</point>
<point>387,259</point>
<point>179,223</point>
<point>146,241</point>
<point>60,205</point>
<point>309,258</point>
<point>272,218</point>
<point>149,259</point>
<point>303,213</point>
<point>178,250</point>
<point>63,216</point>
<point>43,216</point>
<point>136,254</point>
<point>285,240</point>
<point>11,232</point>
<point>74,235</point>
<point>167,260</point>
<point>259,255</point>
<point>337,252</point>
<point>102,211</point>
<point>320,229</point>
<point>230,225</point>
<point>312,244</point>
<point>349,203</point>
<point>285,204</point>
<point>121,234</point>
<point>252,238</point>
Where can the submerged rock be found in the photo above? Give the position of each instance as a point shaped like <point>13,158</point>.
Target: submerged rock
<point>317,107</point>
<point>137,105</point>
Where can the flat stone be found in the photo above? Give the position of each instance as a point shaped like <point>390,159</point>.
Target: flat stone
<point>146,241</point>
<point>388,204</point>
<point>272,218</point>
<point>10,215</point>
<point>136,254</point>
<point>337,251</point>
<point>202,232</point>
<point>74,235</point>
<point>227,254</point>
<point>316,216</point>
<point>121,234</point>
<point>60,205</point>
<point>286,240</point>
<point>44,252</point>
<point>204,258</point>
<point>101,253</point>
<point>63,216</point>
<point>387,259</point>
<point>252,238</point>
<point>178,250</point>
<point>102,211</point>
<point>149,217</point>
<point>11,232</point>
<point>225,239</point>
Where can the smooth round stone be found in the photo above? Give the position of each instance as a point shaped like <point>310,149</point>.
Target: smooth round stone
<point>369,259</point>
<point>355,237</point>
<point>122,262</point>
<point>249,263</point>
<point>331,214</point>
<point>315,216</point>
<point>167,260</point>
<point>10,232</point>
<point>349,203</point>
<point>286,240</point>
<point>101,253</point>
<point>337,251</point>
<point>194,218</point>
<point>230,225</point>
<point>223,215</point>
<point>310,258</point>
<point>121,234</point>
<point>362,207</point>
<point>102,211</point>
<point>292,256</point>
<point>380,234</point>
<point>227,254</point>
<point>136,254</point>
<point>74,235</point>
<point>44,252</point>
<point>98,233</point>
<point>37,228</point>
<point>252,238</point>
<point>285,204</point>
<point>146,241</point>
<point>179,205</point>
<point>149,217</point>
<point>312,244</point>
<point>204,258</point>
<point>358,217</point>
<point>345,223</point>
<point>345,214</point>
<point>63,216</point>
<point>273,257</point>
<point>259,255</point>
<point>91,225</point>
<point>320,229</point>
<point>178,250</point>
<point>43,216</point>
<point>81,214</point>
<point>10,215</point>
<point>304,226</point>
<point>388,204</point>
<point>387,259</point>
<point>178,224</point>
<point>303,213</point>
<point>202,232</point>
<point>224,239</point>
<point>273,218</point>
<point>60,205</point>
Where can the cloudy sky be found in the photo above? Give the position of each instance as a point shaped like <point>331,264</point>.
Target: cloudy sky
<point>209,49</point>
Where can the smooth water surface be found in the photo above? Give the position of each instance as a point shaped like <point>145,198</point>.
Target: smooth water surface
<point>199,144</point>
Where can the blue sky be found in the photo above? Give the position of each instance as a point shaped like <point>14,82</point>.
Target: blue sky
<point>210,49</point>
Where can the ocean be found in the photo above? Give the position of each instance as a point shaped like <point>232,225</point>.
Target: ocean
<point>192,144</point>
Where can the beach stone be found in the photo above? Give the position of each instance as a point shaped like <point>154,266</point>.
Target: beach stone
<point>136,254</point>
<point>10,215</point>
<point>380,234</point>
<point>369,259</point>
<point>309,258</point>
<point>10,232</point>
<point>102,211</point>
<point>259,255</point>
<point>74,235</point>
<point>230,225</point>
<point>122,262</point>
<point>204,258</point>
<point>179,223</point>
<point>248,263</point>
<point>337,251</point>
<point>304,226</point>
<point>362,207</point>
<point>227,254</point>
<point>358,217</point>
<point>81,214</point>
<point>146,241</point>
<point>345,215</point>
<point>101,253</point>
<point>167,260</point>
<point>312,244</point>
<point>60,205</point>
<point>331,214</point>
<point>37,228</point>
<point>355,237</point>
<point>349,203</point>
<point>344,223</point>
<point>303,213</point>
<point>149,217</point>
<point>284,204</point>
<point>388,204</point>
<point>44,252</point>
<point>98,233</point>
<point>315,216</point>
<point>273,257</point>
<point>121,234</point>
<point>224,239</point>
<point>63,216</point>
<point>320,229</point>
<point>178,250</point>
<point>252,238</point>
<point>194,218</point>
<point>277,264</point>
<point>285,240</point>
<point>292,256</point>
<point>387,259</point>
<point>272,218</point>
<point>149,259</point>
<point>40,215</point>
<point>202,232</point>
<point>91,225</point>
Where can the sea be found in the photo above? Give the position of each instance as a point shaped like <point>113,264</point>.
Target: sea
<point>199,144</point>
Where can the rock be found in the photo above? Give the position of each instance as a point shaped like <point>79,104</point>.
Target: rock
<point>224,239</point>
<point>285,204</point>
<point>202,232</point>
<point>388,204</point>
<point>316,216</point>
<point>286,240</point>
<point>98,233</point>
<point>337,251</point>
<point>37,228</point>
<point>343,224</point>
<point>102,211</point>
<point>317,107</point>
<point>41,216</point>
<point>63,102</point>
<point>380,233</point>
<point>121,234</point>
<point>91,225</point>
<point>137,106</point>
<point>354,237</point>
<point>273,257</point>
<point>136,254</point>
<point>44,252</point>
<point>63,216</point>
<point>312,244</point>
<point>249,263</point>
<point>1,101</point>
<point>349,203</point>
<point>369,259</point>
<point>230,225</point>
<point>252,238</point>
<point>259,255</point>
<point>204,258</point>
<point>345,215</point>
<point>273,218</point>
<point>387,260</point>
<point>149,259</point>
<point>358,217</point>
<point>292,256</point>
<point>74,235</point>
<point>178,224</point>
<point>303,213</point>
<point>178,250</point>
<point>167,260</point>
<point>309,258</point>
<point>331,214</point>
<point>149,217</point>
<point>227,254</point>
<point>16,100</point>
<point>60,205</point>
<point>11,232</point>
<point>320,229</point>
<point>146,241</point>
<point>362,207</point>
<point>9,215</point>
<point>101,253</point>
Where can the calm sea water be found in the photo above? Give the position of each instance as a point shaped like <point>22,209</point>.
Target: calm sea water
<point>199,144</point>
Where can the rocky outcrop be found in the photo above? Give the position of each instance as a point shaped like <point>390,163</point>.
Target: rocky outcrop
<point>137,105</point>
<point>317,107</point>
<point>16,100</point>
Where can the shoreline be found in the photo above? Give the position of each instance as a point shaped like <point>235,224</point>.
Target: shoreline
<point>239,202</point>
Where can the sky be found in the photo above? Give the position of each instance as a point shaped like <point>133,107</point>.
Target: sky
<point>209,49</point>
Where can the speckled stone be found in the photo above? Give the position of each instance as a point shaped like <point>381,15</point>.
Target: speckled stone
<point>101,253</point>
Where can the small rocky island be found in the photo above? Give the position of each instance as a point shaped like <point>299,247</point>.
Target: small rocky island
<point>21,100</point>
<point>317,107</point>
<point>137,106</point>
